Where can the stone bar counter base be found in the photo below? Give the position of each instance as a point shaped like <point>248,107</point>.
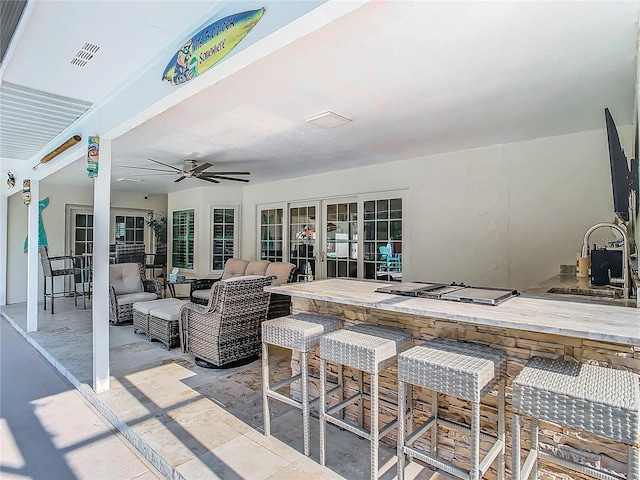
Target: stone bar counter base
<point>520,346</point>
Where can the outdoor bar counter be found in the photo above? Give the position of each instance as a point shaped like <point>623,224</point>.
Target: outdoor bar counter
<point>521,326</point>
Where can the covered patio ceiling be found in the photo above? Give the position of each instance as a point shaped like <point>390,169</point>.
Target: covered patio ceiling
<point>415,78</point>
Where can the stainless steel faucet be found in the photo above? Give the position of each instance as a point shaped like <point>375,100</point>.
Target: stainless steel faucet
<point>625,251</point>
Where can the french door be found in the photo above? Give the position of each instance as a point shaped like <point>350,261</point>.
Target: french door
<point>340,232</point>
<point>305,240</point>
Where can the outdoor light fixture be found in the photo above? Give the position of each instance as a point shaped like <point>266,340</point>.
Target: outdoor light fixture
<point>327,120</point>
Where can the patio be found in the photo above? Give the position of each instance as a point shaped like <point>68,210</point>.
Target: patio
<point>192,422</point>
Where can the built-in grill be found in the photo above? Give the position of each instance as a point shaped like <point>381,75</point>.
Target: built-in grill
<point>455,292</point>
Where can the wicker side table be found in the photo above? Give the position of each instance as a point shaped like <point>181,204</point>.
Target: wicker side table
<point>598,400</point>
<point>300,332</point>
<point>461,369</point>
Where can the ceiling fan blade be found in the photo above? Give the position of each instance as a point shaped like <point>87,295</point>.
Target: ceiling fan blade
<point>148,168</point>
<point>166,165</point>
<point>151,174</point>
<point>209,174</point>
<point>179,179</point>
<point>208,179</point>
<point>225,178</point>
<point>201,168</point>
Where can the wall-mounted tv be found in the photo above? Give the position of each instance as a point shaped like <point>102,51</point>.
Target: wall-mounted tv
<point>624,174</point>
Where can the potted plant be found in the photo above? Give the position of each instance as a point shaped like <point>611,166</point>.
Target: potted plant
<point>158,224</point>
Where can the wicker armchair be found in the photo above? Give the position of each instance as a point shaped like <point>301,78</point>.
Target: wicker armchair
<point>227,331</point>
<point>127,285</point>
<point>279,305</point>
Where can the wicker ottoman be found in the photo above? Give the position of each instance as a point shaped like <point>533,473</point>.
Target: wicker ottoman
<point>142,310</point>
<point>369,349</point>
<point>598,400</point>
<point>461,369</point>
<point>300,332</point>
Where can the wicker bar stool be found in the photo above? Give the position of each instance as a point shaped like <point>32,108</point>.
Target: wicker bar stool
<point>369,349</point>
<point>598,400</point>
<point>465,370</point>
<point>300,332</point>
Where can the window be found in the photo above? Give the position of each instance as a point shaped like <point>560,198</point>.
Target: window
<point>129,229</point>
<point>382,237</point>
<point>271,234</point>
<point>83,233</point>
<point>224,225</point>
<point>183,238</point>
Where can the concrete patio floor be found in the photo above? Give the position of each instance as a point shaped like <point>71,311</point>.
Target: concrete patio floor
<point>191,422</point>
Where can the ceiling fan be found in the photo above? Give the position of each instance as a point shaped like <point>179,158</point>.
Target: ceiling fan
<point>192,170</point>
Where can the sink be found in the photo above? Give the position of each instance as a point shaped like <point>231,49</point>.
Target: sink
<point>588,292</point>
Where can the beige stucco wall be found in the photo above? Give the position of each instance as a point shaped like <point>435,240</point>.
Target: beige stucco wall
<point>55,226</point>
<point>506,215</point>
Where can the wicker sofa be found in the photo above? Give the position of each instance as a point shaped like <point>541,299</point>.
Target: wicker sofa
<point>127,285</point>
<point>279,305</point>
<point>227,331</point>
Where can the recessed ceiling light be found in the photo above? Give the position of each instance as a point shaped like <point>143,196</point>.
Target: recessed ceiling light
<point>327,120</point>
<point>128,180</point>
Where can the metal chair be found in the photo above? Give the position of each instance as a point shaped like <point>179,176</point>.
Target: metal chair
<point>131,253</point>
<point>394,263</point>
<point>68,270</point>
<point>159,262</point>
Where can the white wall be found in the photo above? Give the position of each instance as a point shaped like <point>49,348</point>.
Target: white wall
<point>53,218</point>
<point>505,215</point>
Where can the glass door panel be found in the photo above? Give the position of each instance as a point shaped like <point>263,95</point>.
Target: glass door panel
<point>272,234</point>
<point>304,240</point>
<point>82,229</point>
<point>341,234</point>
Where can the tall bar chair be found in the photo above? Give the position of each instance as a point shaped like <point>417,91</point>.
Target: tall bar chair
<point>599,400</point>
<point>300,332</point>
<point>461,369</point>
<point>67,270</point>
<point>369,349</point>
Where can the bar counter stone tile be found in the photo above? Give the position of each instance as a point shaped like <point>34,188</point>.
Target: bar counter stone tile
<point>520,346</point>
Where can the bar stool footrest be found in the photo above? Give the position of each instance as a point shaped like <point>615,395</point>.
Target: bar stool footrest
<point>436,462</point>
<point>578,467</point>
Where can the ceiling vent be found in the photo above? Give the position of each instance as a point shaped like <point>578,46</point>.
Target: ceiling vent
<point>327,119</point>
<point>85,54</point>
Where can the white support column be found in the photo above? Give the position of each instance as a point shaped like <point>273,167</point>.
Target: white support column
<point>32,258</point>
<point>101,214</point>
<point>4,244</point>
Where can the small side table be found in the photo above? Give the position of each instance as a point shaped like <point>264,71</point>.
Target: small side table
<point>172,288</point>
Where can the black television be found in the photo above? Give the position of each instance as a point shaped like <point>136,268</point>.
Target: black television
<point>624,174</point>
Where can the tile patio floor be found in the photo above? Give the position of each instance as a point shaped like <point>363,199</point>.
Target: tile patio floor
<point>191,422</point>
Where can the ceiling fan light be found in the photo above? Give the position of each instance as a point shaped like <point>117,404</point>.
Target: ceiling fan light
<point>128,180</point>
<point>327,119</point>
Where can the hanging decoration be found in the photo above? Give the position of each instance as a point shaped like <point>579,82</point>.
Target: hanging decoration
<point>26,191</point>
<point>54,153</point>
<point>42,235</point>
<point>93,155</point>
<point>11,180</point>
<point>209,46</point>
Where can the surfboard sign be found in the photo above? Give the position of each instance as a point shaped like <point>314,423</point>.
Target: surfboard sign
<point>209,46</point>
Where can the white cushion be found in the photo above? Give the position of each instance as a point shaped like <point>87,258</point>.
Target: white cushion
<point>125,278</point>
<point>202,294</point>
<point>135,297</point>
<point>257,267</point>
<point>145,307</point>
<point>281,271</point>
<point>171,312</point>
<point>234,267</point>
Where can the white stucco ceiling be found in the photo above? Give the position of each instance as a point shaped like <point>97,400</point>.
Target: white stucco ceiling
<point>416,78</point>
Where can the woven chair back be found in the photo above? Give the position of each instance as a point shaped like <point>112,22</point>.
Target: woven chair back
<point>45,262</point>
<point>130,253</point>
